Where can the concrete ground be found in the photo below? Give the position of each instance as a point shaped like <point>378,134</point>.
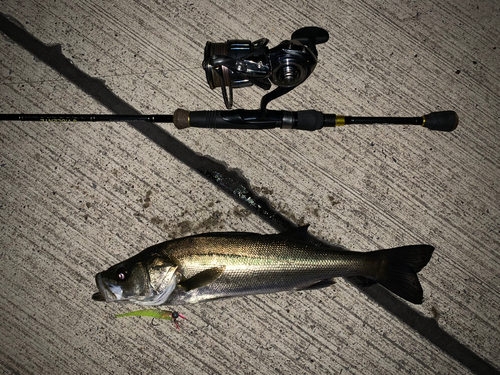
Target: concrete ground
<point>76,198</point>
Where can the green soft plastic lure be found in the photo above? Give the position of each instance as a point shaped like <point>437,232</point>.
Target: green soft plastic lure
<point>155,313</point>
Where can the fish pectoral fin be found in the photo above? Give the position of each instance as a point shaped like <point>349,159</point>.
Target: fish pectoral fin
<point>318,285</point>
<point>203,278</point>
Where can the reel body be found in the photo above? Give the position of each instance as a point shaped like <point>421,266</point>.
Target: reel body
<point>242,63</point>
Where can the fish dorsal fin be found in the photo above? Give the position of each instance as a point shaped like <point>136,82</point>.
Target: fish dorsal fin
<point>227,234</point>
<point>298,233</point>
<point>301,234</point>
<point>203,278</point>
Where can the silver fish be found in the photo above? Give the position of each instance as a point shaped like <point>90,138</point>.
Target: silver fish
<point>219,265</point>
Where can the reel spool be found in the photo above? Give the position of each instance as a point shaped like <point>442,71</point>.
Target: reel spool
<point>242,63</point>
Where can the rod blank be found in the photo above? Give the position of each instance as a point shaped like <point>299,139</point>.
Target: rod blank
<point>253,119</point>
<point>83,118</point>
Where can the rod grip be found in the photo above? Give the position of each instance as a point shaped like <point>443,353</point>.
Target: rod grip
<point>235,119</point>
<point>446,121</point>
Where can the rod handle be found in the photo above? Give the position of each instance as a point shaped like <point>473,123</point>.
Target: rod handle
<point>249,119</point>
<point>446,121</point>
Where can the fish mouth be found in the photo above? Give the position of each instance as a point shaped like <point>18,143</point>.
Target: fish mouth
<point>103,293</point>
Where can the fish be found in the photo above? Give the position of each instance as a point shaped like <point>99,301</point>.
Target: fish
<point>211,266</point>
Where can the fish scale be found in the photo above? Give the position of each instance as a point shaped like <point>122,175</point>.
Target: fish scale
<point>222,265</point>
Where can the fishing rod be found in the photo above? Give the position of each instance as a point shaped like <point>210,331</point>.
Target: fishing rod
<point>243,63</point>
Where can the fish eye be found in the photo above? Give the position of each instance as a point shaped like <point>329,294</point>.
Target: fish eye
<point>121,273</point>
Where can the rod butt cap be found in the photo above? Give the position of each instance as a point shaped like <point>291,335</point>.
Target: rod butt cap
<point>444,121</point>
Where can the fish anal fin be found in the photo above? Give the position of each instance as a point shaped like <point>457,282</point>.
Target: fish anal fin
<point>203,278</point>
<point>318,285</point>
<point>361,281</point>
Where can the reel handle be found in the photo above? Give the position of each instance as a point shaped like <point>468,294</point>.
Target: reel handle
<point>302,120</point>
<point>311,36</point>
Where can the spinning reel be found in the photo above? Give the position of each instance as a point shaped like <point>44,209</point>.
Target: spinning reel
<point>242,63</point>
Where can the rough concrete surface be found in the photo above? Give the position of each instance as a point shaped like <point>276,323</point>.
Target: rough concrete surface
<point>76,198</point>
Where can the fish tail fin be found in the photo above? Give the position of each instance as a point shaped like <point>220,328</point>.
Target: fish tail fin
<point>399,268</point>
